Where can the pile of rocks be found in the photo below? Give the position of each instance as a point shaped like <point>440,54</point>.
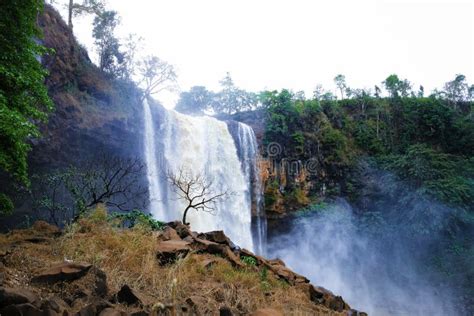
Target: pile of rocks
<point>70,288</point>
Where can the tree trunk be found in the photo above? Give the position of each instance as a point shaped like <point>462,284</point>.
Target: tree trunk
<point>184,215</point>
<point>69,20</point>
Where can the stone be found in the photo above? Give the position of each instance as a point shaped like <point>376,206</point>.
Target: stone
<point>94,309</point>
<point>15,296</point>
<point>286,274</point>
<point>62,272</point>
<point>168,251</point>
<point>224,250</point>
<point>128,296</point>
<point>170,234</point>
<point>217,236</point>
<point>100,283</point>
<point>267,312</point>
<point>53,307</point>
<point>183,231</point>
<point>206,262</point>
<point>25,309</point>
<point>225,311</point>
<point>112,312</point>
<point>322,296</point>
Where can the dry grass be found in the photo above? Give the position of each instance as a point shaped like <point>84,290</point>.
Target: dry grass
<point>128,256</point>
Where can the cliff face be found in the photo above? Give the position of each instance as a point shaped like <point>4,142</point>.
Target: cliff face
<point>94,116</point>
<point>93,113</point>
<point>292,180</point>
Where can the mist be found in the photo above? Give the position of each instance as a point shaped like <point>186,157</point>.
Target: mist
<point>379,259</point>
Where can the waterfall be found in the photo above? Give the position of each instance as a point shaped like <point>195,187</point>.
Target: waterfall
<point>202,145</point>
<point>150,159</point>
<point>248,153</point>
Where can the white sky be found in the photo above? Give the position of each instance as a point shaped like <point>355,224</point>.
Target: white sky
<point>296,44</point>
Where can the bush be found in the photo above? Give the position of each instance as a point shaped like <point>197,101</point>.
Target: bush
<point>6,205</point>
<point>138,218</point>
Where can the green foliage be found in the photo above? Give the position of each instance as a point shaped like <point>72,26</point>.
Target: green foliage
<point>137,217</point>
<point>447,177</point>
<point>6,205</point>
<point>195,101</point>
<point>229,100</point>
<point>111,59</point>
<point>250,261</point>
<point>271,193</point>
<point>23,96</point>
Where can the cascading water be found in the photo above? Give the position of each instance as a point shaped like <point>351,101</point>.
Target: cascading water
<point>150,158</point>
<point>201,145</point>
<point>247,149</point>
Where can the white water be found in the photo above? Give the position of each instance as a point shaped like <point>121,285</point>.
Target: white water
<point>150,158</point>
<point>248,154</point>
<point>202,145</point>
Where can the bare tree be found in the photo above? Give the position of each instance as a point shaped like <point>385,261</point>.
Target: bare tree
<point>195,190</point>
<point>156,75</point>
<point>113,181</point>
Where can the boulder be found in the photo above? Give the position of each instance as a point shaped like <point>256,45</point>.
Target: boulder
<point>62,272</point>
<point>217,236</point>
<point>95,308</point>
<point>286,274</point>
<point>25,309</point>
<point>168,251</point>
<point>14,296</point>
<point>54,307</point>
<point>205,262</point>
<point>320,295</point>
<point>169,234</point>
<point>224,250</point>
<point>128,296</point>
<point>112,312</point>
<point>267,312</point>
<point>182,230</point>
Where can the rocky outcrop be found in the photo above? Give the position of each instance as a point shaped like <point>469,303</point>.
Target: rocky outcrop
<point>74,288</point>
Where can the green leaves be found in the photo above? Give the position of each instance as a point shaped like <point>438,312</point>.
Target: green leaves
<point>23,96</point>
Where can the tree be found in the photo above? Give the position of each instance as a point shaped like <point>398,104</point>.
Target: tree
<point>321,94</point>
<point>24,100</point>
<point>195,190</point>
<point>232,99</point>
<point>397,87</point>
<point>108,46</point>
<point>195,101</point>
<point>156,75</point>
<point>458,90</point>
<point>86,7</point>
<point>340,81</point>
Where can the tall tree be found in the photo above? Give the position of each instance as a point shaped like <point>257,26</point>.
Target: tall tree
<point>108,46</point>
<point>457,90</point>
<point>156,75</point>
<point>86,7</point>
<point>231,99</point>
<point>24,98</point>
<point>195,101</point>
<point>340,81</point>
<point>397,87</point>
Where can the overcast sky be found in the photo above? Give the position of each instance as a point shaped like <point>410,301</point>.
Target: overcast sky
<point>296,44</point>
